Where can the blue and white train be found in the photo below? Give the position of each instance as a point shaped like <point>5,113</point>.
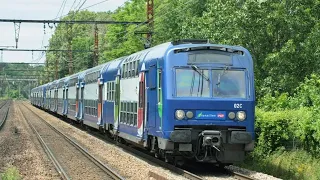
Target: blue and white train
<point>180,100</point>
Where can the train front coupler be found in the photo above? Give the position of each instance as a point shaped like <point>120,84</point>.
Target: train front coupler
<point>211,138</point>
<point>209,142</point>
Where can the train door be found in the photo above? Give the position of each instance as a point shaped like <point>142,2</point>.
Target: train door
<point>100,95</point>
<point>50,99</point>
<point>77,100</point>
<point>67,101</point>
<point>141,104</point>
<point>43,97</point>
<point>152,102</point>
<point>117,102</point>
<point>56,100</point>
<point>81,107</point>
<point>63,99</point>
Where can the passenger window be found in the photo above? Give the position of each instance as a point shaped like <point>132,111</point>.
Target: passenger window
<point>129,69</point>
<point>159,85</point>
<point>125,71</point>
<point>122,74</point>
<point>137,64</point>
<point>134,68</point>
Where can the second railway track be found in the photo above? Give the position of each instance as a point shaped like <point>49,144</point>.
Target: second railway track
<point>4,110</point>
<point>70,159</point>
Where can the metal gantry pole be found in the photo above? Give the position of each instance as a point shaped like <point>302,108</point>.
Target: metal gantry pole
<point>17,32</point>
<point>70,63</point>
<point>96,46</point>
<point>150,14</point>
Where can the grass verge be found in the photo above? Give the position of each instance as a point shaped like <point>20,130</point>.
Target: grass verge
<point>296,164</point>
<point>11,173</point>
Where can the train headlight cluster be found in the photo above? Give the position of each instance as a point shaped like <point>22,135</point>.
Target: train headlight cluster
<point>231,115</point>
<point>241,115</point>
<point>180,114</point>
<point>189,114</point>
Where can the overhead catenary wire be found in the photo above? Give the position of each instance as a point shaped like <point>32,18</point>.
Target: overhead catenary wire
<point>82,9</point>
<point>61,7</point>
<point>41,54</point>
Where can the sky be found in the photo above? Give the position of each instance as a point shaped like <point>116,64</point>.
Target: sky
<point>32,35</point>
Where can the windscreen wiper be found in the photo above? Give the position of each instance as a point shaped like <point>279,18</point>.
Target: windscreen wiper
<point>220,75</point>
<point>195,68</point>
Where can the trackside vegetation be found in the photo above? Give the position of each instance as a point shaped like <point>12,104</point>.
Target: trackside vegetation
<point>11,173</point>
<point>288,133</point>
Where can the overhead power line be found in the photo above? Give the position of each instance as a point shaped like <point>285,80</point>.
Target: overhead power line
<point>20,63</point>
<point>82,8</point>
<point>43,50</point>
<point>62,6</point>
<point>69,22</point>
<point>21,79</point>
<point>9,70</point>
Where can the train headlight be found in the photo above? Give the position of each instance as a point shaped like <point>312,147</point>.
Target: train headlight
<point>231,115</point>
<point>180,114</point>
<point>241,115</point>
<point>189,114</point>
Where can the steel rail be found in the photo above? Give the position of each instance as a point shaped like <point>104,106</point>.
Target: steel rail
<point>97,162</point>
<point>6,114</point>
<point>150,158</point>
<point>55,162</point>
<point>240,176</point>
<point>163,164</point>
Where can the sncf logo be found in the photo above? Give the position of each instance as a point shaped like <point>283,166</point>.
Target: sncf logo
<point>220,115</point>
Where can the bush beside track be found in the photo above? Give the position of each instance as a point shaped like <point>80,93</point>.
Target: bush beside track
<point>288,133</point>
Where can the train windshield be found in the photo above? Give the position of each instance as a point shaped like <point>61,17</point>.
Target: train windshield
<point>224,83</point>
<point>191,83</point>
<point>229,83</point>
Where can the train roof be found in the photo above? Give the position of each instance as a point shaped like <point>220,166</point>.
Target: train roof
<point>111,65</point>
<point>158,51</point>
<point>78,75</point>
<point>96,68</point>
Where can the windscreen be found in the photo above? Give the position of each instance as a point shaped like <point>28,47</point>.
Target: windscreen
<point>221,83</point>
<point>229,83</point>
<point>190,83</point>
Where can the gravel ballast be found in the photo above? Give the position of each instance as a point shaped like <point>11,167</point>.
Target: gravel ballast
<point>20,148</point>
<point>74,162</point>
<point>128,165</point>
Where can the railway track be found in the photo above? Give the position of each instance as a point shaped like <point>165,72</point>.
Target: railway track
<point>4,110</point>
<point>187,174</point>
<point>70,159</point>
<point>144,155</point>
<point>240,176</point>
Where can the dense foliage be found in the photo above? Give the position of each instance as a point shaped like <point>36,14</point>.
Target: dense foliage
<point>283,36</point>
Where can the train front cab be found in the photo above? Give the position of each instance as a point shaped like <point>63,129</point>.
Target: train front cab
<point>208,103</point>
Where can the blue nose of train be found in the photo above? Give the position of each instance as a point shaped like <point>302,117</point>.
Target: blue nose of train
<point>207,112</point>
